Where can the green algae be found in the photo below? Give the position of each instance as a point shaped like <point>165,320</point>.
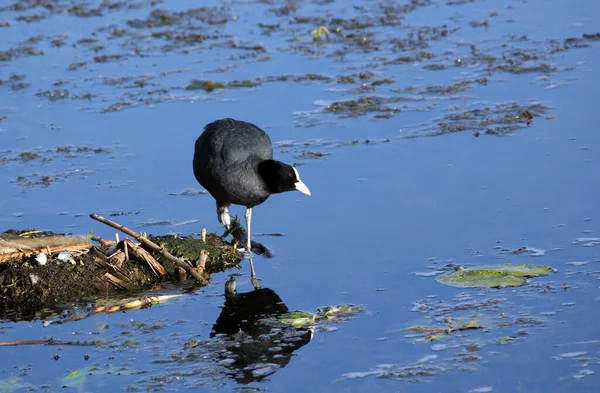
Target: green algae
<point>298,319</point>
<point>494,276</point>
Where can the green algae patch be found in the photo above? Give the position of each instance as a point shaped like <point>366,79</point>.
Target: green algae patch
<point>220,254</point>
<point>427,329</point>
<point>206,85</point>
<point>325,314</point>
<point>494,276</point>
<point>432,332</point>
<point>298,319</point>
<point>341,311</point>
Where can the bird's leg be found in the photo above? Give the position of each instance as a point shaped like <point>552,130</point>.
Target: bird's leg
<point>248,222</point>
<point>253,278</point>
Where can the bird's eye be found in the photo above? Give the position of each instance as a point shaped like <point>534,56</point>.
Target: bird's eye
<point>290,174</point>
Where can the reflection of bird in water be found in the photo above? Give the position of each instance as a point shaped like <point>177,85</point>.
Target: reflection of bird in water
<point>255,347</point>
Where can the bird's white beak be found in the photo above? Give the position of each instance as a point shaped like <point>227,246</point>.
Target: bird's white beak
<point>300,186</point>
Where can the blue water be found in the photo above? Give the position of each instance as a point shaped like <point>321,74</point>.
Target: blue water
<point>378,212</point>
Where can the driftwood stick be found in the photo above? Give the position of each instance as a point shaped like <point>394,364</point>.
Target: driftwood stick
<point>110,223</point>
<point>49,341</point>
<point>48,249</point>
<point>200,277</point>
<point>132,305</point>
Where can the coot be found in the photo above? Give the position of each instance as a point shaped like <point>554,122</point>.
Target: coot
<point>233,161</point>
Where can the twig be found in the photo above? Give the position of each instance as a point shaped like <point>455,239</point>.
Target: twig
<point>103,242</point>
<point>202,277</point>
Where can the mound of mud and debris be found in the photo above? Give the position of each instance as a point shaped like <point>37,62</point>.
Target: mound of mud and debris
<point>42,270</point>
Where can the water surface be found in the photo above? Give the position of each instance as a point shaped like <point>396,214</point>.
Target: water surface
<point>419,80</point>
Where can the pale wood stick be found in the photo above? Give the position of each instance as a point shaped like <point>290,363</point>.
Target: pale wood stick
<point>48,250</point>
<point>49,341</point>
<point>146,300</point>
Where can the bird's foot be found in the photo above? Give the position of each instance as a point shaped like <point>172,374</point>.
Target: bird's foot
<point>255,282</point>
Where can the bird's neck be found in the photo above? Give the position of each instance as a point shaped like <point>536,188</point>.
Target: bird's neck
<point>267,170</point>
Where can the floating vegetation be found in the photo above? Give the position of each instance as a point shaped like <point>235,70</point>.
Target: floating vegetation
<point>15,82</point>
<point>45,180</point>
<point>462,331</point>
<point>497,276</point>
<point>363,106</point>
<point>317,34</point>
<point>163,18</point>
<point>534,252</point>
<point>53,95</point>
<point>209,86</point>
<point>441,89</point>
<point>297,319</point>
<point>47,155</point>
<point>493,119</point>
<point>338,313</point>
<point>205,85</point>
<point>159,31</point>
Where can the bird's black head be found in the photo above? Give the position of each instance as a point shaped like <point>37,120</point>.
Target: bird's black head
<point>281,177</point>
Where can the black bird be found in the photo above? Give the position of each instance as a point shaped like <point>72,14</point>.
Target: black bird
<point>233,161</point>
